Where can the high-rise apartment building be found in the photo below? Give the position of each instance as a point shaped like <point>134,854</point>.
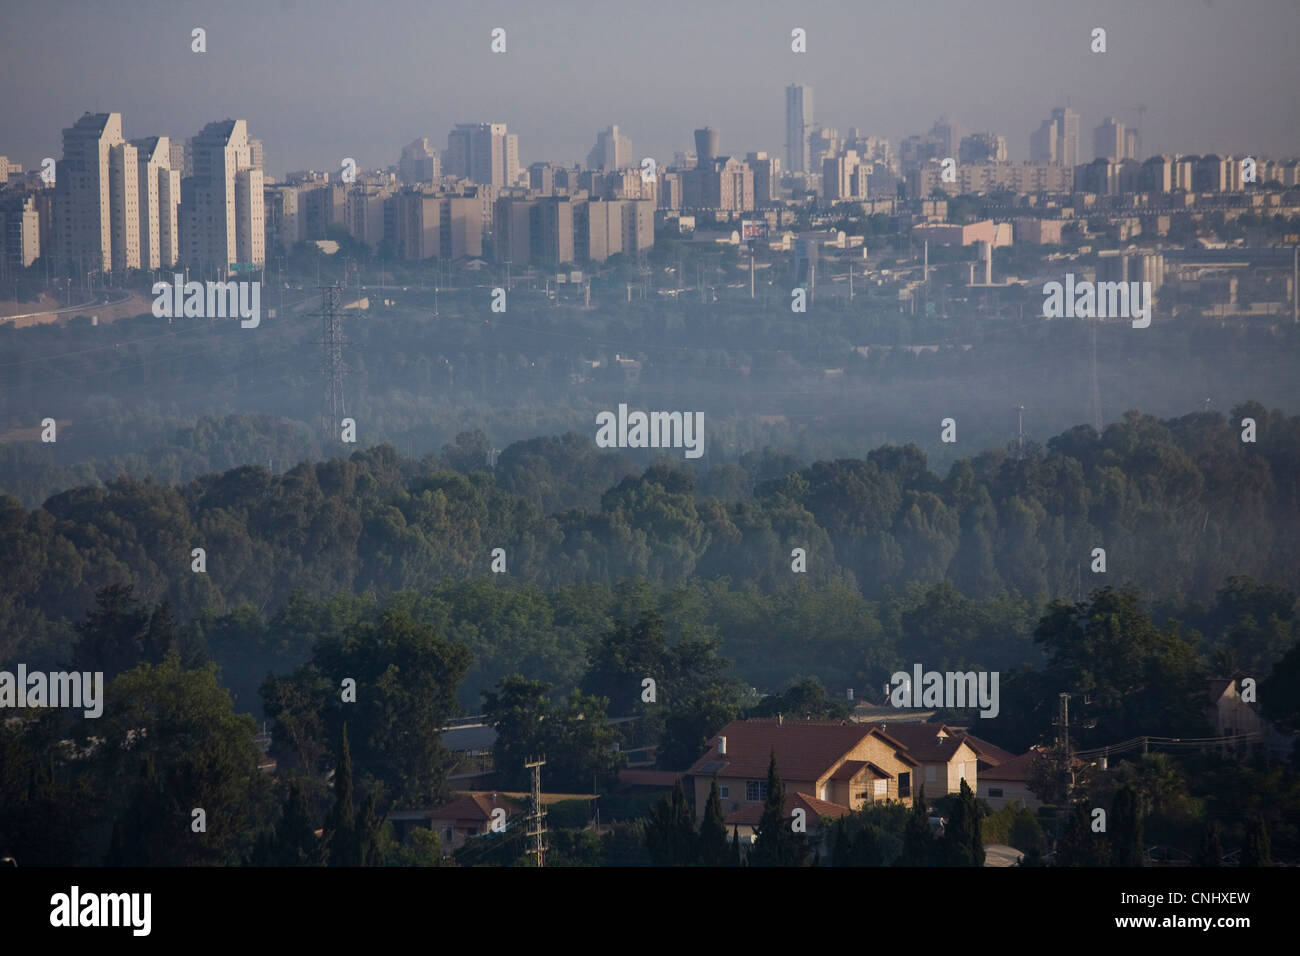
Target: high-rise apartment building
<point>20,235</point>
<point>982,148</point>
<point>159,198</point>
<point>767,175</point>
<point>483,153</point>
<point>124,206</point>
<point>947,135</point>
<point>282,221</point>
<point>798,124</point>
<point>222,205</point>
<point>83,212</point>
<point>419,163</point>
<point>1067,135</point>
<point>1110,141</point>
<point>612,151</point>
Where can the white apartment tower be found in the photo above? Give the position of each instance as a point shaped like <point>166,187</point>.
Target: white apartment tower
<point>613,150</point>
<point>159,197</point>
<point>82,193</point>
<point>483,153</point>
<point>222,207</point>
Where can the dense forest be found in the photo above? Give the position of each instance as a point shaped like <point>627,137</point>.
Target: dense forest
<point>379,568</point>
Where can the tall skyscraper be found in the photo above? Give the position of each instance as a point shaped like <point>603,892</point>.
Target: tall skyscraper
<point>948,135</point>
<point>1109,140</point>
<point>419,163</point>
<point>223,213</point>
<point>613,150</point>
<point>1043,142</point>
<point>483,153</point>
<point>798,123</point>
<point>1067,135</point>
<point>706,145</point>
<point>82,206</point>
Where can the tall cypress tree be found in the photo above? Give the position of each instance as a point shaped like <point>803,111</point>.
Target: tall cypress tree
<point>1126,828</point>
<point>918,843</point>
<point>776,843</point>
<point>670,835</point>
<point>713,831</point>
<point>343,819</point>
<point>735,846</point>
<point>295,842</point>
<point>962,843</point>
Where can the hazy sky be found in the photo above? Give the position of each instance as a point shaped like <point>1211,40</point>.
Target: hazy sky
<point>318,80</point>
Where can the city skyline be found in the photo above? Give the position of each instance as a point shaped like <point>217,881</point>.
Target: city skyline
<point>309,107</point>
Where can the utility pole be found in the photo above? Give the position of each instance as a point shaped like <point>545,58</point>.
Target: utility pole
<point>537,816</point>
<point>1094,396</point>
<point>1020,432</point>
<point>332,368</point>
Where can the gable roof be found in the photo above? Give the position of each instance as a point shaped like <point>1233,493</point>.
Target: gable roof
<point>928,743</point>
<point>751,813</point>
<point>805,749</point>
<point>1014,770</point>
<point>470,808</point>
<point>988,753</point>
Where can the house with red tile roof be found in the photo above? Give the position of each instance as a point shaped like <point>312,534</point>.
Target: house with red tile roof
<point>946,756</point>
<point>1008,782</point>
<point>828,765</point>
<point>466,815</point>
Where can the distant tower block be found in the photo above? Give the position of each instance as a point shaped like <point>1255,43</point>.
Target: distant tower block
<point>706,145</point>
<point>985,256</point>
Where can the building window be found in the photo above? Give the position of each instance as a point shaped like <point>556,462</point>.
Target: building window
<point>724,790</point>
<point>882,788</point>
<point>904,784</point>
<point>755,790</point>
<point>961,771</point>
<point>995,791</point>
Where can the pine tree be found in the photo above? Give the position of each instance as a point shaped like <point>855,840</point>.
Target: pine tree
<point>1126,828</point>
<point>1211,851</point>
<point>713,832</point>
<point>735,847</point>
<point>1257,851</point>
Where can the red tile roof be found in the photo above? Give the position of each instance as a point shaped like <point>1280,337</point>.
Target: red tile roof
<point>849,769</point>
<point>923,741</point>
<point>470,808</point>
<point>805,749</point>
<point>1015,769</point>
<point>990,754</point>
<point>751,813</point>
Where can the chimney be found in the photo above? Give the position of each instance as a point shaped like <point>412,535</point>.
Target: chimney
<point>722,745</point>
